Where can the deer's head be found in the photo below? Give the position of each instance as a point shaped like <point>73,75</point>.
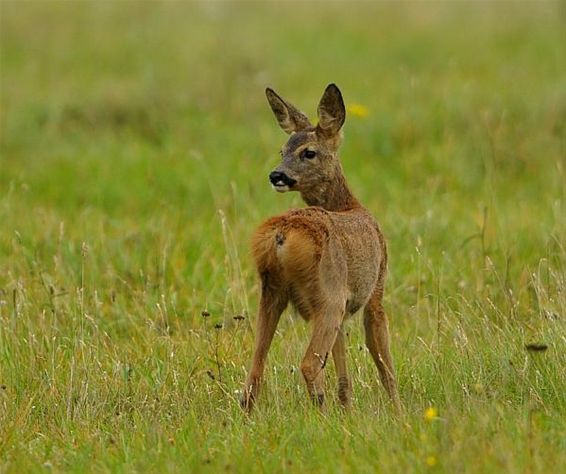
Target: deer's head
<point>309,158</point>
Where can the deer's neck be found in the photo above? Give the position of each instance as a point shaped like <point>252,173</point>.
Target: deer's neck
<point>332,195</point>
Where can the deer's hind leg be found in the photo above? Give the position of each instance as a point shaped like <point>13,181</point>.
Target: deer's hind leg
<point>272,303</point>
<point>316,271</point>
<point>326,328</point>
<point>377,341</point>
<point>326,299</point>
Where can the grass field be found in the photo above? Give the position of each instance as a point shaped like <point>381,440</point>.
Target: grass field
<point>135,147</point>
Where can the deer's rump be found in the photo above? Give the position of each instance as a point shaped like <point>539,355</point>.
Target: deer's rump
<point>315,253</point>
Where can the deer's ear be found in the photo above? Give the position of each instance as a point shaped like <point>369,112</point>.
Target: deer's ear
<point>289,117</point>
<point>331,111</point>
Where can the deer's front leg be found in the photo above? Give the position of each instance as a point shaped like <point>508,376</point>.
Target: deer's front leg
<point>344,384</point>
<point>377,341</point>
<point>272,304</point>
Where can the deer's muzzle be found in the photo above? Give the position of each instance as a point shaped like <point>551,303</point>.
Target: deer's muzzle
<point>280,181</point>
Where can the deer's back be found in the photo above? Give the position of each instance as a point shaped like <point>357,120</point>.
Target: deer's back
<point>364,248</point>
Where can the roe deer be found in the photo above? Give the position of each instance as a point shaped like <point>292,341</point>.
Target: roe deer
<point>328,260</point>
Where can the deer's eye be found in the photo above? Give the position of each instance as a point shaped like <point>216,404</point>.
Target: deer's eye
<point>310,154</point>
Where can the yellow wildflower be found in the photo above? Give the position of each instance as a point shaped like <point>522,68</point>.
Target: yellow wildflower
<point>358,110</point>
<point>430,414</point>
<point>431,461</point>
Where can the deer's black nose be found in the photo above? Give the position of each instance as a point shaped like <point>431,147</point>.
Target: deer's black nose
<point>278,178</point>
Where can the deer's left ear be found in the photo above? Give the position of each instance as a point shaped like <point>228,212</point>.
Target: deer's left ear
<point>331,111</point>
<point>289,117</point>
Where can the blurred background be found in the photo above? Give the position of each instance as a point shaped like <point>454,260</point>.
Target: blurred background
<point>135,146</point>
<point>121,120</point>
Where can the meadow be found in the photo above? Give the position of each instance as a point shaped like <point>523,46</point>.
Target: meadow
<point>135,147</point>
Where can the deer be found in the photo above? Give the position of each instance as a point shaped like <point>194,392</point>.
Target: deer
<point>328,260</point>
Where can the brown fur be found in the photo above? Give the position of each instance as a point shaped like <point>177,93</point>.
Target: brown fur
<point>328,260</point>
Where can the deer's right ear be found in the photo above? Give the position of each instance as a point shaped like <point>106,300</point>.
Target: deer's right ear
<point>331,111</point>
<point>289,117</point>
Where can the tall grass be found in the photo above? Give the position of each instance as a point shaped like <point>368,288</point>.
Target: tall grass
<point>134,151</point>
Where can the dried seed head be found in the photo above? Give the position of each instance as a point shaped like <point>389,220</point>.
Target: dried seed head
<point>536,347</point>
<point>204,313</point>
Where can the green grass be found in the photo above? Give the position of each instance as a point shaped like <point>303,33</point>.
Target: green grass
<point>135,147</point>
